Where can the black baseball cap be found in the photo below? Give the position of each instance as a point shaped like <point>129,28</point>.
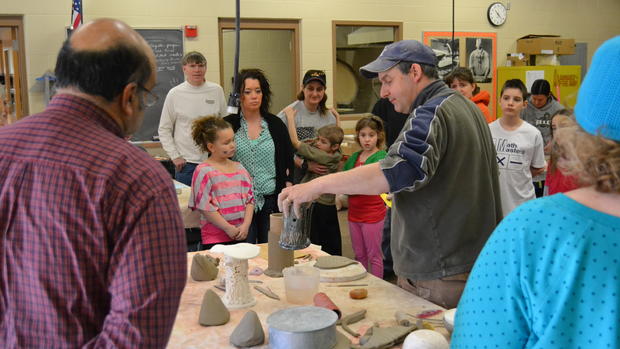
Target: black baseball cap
<point>315,75</point>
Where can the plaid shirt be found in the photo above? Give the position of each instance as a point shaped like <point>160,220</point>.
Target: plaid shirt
<point>92,242</point>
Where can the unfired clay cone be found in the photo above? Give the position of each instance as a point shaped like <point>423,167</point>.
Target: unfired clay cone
<point>204,267</point>
<point>278,257</point>
<point>249,332</point>
<point>212,311</point>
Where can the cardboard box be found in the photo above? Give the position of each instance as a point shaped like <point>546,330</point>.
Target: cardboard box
<point>546,60</point>
<point>545,44</point>
<point>517,59</point>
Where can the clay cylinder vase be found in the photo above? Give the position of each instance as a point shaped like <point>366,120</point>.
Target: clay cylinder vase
<point>296,232</point>
<point>278,258</point>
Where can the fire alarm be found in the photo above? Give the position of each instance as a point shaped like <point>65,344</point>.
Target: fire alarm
<point>191,31</point>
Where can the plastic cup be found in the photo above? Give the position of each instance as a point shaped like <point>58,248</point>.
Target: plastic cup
<point>301,284</point>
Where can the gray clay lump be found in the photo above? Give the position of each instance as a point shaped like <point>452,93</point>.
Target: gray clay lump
<point>212,311</point>
<point>249,332</point>
<point>204,267</point>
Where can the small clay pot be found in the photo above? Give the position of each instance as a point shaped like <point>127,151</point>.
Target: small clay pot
<point>358,293</point>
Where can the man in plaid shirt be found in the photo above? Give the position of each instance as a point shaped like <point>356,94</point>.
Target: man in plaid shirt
<point>91,238</point>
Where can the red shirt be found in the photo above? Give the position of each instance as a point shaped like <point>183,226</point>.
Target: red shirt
<point>92,246</point>
<point>557,182</point>
<point>365,208</point>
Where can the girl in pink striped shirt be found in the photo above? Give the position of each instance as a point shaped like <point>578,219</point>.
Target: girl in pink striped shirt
<point>221,188</point>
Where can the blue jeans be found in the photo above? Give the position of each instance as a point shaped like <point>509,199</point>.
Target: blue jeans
<point>185,175</point>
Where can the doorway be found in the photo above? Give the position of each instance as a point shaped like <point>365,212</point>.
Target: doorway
<point>270,45</point>
<point>13,89</point>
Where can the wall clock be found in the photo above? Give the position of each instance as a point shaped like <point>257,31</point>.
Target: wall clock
<point>497,14</point>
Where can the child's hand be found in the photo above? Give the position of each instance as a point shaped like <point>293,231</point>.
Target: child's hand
<point>290,113</point>
<point>317,168</point>
<point>336,115</point>
<point>243,231</point>
<point>232,232</point>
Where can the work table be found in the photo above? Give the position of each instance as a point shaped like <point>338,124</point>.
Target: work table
<point>384,299</point>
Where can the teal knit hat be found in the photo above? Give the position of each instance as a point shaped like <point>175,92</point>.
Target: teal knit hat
<point>598,102</point>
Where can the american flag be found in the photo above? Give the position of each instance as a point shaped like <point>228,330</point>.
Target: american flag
<point>76,14</point>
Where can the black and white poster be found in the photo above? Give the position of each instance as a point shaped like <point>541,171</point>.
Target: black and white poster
<point>479,58</point>
<point>447,55</point>
<point>473,50</point>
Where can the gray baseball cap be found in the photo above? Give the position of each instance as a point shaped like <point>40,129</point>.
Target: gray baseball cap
<point>405,50</point>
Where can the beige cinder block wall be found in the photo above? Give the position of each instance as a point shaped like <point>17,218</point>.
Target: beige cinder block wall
<point>591,21</point>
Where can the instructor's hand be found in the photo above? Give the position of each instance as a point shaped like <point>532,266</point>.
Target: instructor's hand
<point>297,195</point>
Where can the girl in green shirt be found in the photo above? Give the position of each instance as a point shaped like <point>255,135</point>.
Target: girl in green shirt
<point>367,212</point>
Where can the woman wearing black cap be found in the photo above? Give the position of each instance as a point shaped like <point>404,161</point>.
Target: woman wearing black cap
<point>541,106</point>
<point>311,114</point>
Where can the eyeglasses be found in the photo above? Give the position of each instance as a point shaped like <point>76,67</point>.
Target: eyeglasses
<point>149,99</point>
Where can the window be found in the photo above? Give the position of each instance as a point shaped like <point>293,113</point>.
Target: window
<point>355,45</point>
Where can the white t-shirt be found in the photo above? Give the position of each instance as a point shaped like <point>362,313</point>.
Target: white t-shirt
<point>184,104</point>
<point>517,151</point>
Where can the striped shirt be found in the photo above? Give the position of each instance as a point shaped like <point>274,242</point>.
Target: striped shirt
<point>92,247</point>
<point>225,193</point>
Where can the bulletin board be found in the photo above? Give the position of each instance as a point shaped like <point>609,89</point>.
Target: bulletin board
<point>474,50</point>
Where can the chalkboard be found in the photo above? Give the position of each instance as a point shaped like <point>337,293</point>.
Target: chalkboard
<point>167,44</point>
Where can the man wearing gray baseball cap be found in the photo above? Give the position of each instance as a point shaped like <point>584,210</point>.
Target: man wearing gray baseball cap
<point>441,169</point>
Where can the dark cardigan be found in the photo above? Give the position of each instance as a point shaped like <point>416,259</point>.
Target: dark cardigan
<point>282,143</point>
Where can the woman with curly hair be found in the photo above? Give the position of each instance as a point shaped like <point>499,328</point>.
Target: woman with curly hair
<point>263,148</point>
<point>549,276</point>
